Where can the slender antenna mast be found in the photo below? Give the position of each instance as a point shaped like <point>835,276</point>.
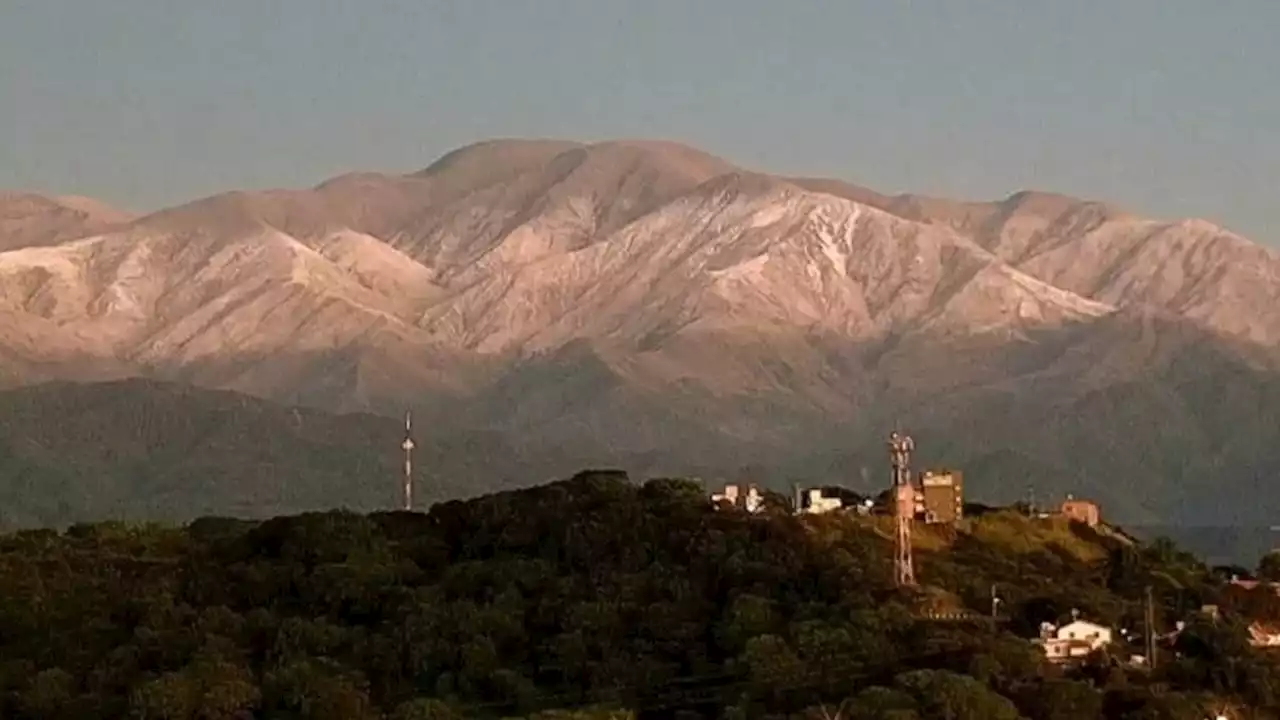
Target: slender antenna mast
<point>408,446</point>
<point>904,503</point>
<point>1151,630</point>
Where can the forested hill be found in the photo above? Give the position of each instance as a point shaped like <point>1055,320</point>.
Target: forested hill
<point>600,597</point>
<point>140,450</point>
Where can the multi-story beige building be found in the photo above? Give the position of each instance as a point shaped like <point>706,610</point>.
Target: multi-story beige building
<point>940,496</point>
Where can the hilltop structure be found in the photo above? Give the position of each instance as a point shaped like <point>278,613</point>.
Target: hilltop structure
<point>828,498</point>
<point>752,500</point>
<point>1072,642</point>
<point>940,496</point>
<point>813,501</point>
<point>1085,511</point>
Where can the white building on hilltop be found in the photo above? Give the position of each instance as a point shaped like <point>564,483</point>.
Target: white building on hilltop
<point>1073,641</point>
<point>819,503</point>
<point>751,501</point>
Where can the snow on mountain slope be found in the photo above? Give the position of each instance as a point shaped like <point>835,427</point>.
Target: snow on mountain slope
<point>508,248</point>
<point>648,299</point>
<point>747,252</point>
<point>1189,268</point>
<point>491,216</point>
<point>406,285</point>
<point>166,300</point>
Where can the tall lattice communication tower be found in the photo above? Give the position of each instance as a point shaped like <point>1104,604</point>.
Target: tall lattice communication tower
<point>408,446</point>
<point>904,503</point>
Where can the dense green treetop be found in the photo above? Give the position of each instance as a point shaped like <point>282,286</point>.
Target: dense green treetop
<point>599,598</point>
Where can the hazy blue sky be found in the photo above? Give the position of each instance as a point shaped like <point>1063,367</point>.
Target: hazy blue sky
<point>1170,107</point>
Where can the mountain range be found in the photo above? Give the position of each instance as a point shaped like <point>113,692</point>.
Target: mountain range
<point>646,305</point>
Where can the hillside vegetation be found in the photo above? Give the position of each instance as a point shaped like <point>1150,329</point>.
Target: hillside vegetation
<point>139,450</point>
<point>594,597</point>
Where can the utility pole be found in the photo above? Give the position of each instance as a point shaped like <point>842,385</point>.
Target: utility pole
<point>904,500</point>
<point>1151,630</point>
<point>408,446</point>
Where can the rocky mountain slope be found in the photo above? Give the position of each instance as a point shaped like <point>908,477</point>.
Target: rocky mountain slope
<point>647,304</point>
<point>28,220</point>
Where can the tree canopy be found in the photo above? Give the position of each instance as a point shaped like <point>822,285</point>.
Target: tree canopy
<point>596,597</point>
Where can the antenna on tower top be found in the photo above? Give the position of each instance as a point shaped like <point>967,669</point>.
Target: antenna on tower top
<point>408,446</point>
<point>903,490</point>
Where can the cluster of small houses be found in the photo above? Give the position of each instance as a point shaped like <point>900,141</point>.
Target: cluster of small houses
<point>1077,639</point>
<point>939,499</point>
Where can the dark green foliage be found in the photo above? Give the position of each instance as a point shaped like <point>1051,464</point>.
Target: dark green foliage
<point>594,598</point>
<point>1269,566</point>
